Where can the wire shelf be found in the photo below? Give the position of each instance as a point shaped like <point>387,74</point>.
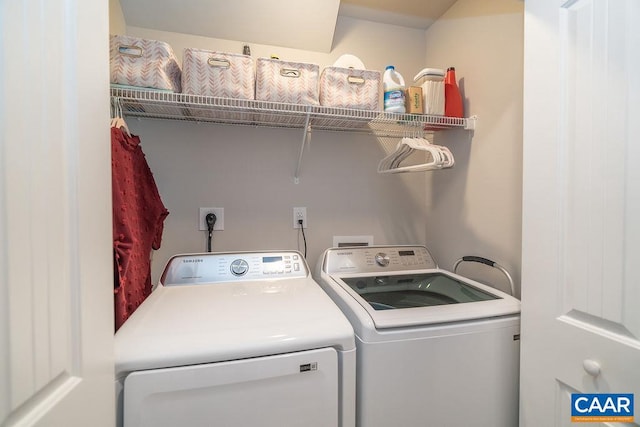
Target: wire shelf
<point>177,106</point>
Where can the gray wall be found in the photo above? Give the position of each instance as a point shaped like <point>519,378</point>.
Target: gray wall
<point>475,208</point>
<point>249,172</point>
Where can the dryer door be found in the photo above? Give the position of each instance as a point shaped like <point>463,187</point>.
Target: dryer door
<point>295,389</point>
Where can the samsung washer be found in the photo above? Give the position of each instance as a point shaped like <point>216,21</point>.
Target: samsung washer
<point>434,349</point>
<point>236,339</point>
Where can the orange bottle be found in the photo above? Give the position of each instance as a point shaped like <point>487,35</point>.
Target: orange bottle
<point>452,98</point>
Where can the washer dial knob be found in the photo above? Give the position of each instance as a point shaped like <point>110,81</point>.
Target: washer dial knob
<point>382,259</point>
<point>239,267</point>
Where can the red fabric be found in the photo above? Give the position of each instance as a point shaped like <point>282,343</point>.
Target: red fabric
<point>138,219</point>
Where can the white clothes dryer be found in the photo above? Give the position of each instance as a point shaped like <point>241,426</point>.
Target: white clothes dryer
<point>434,348</point>
<point>236,339</point>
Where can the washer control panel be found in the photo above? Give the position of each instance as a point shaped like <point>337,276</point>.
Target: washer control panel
<point>373,259</point>
<point>192,269</point>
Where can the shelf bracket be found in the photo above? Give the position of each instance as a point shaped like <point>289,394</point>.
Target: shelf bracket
<point>470,123</point>
<point>306,137</point>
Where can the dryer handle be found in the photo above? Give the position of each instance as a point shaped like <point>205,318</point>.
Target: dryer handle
<point>490,263</point>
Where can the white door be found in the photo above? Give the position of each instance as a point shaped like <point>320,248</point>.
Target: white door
<point>581,216</point>
<point>294,390</point>
<point>56,286</point>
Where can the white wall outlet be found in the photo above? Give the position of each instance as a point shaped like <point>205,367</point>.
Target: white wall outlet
<point>202,222</point>
<point>300,214</point>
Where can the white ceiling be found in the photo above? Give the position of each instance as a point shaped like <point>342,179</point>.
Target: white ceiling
<point>301,24</point>
<point>407,13</point>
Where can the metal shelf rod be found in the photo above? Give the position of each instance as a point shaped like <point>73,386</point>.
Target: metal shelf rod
<point>305,138</point>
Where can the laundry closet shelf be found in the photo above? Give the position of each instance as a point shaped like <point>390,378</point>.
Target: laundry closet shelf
<point>177,106</point>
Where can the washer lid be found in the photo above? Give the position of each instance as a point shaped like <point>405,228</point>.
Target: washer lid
<point>425,297</point>
<point>415,290</point>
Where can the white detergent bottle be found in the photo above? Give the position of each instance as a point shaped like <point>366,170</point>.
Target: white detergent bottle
<point>393,84</point>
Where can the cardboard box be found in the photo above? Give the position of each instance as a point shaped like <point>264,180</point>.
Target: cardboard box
<point>413,100</point>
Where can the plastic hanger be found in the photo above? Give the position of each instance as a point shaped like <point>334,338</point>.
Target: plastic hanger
<point>118,121</point>
<point>393,159</point>
<point>425,145</point>
<point>439,157</point>
<point>404,152</point>
<point>446,156</point>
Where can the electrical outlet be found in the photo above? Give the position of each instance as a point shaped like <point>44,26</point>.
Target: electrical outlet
<point>300,214</point>
<point>202,221</point>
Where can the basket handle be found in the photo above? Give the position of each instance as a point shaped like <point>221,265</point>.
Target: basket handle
<point>219,62</point>
<point>130,50</point>
<point>290,72</point>
<point>355,80</point>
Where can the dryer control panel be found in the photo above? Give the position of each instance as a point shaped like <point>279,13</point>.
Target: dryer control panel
<point>193,269</point>
<point>373,259</point>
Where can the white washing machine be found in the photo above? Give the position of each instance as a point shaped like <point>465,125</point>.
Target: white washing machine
<point>434,349</point>
<point>236,339</point>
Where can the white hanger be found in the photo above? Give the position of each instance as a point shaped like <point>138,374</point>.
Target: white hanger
<point>392,160</point>
<point>439,157</point>
<point>117,121</point>
<point>425,145</point>
<point>446,156</point>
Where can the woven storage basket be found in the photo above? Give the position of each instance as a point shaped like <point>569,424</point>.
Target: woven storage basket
<point>143,63</point>
<point>219,74</point>
<point>350,88</point>
<point>283,81</point>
